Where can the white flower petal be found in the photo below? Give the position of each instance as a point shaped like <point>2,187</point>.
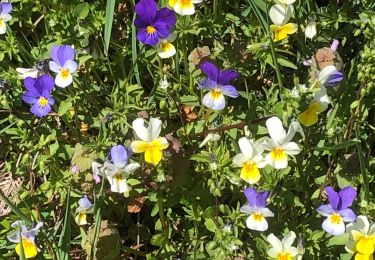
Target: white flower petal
<point>288,240</point>
<point>63,82</point>
<point>275,242</point>
<point>325,73</point>
<point>254,224</point>
<point>239,160</point>
<point>333,228</point>
<point>131,167</point>
<point>266,212</point>
<point>247,209</point>
<point>246,147</point>
<point>140,130</point>
<point>154,128</point>
<point>279,14</point>
<point>291,148</point>
<point>276,130</point>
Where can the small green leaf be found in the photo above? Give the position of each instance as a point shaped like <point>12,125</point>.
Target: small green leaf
<point>286,63</point>
<point>64,107</point>
<point>210,225</point>
<point>340,146</point>
<point>81,11</point>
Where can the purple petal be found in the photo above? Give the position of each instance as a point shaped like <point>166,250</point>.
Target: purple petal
<point>61,54</point>
<point>335,45</point>
<point>162,30</point>
<point>229,91</point>
<point>31,97</point>
<point>226,76</point>
<point>145,38</point>
<point>325,210</point>
<point>29,83</point>
<point>347,196</point>
<point>307,62</point>
<point>39,111</point>
<point>140,23</point>
<point>262,199</point>
<point>333,79</point>
<point>44,83</point>
<point>210,70</point>
<point>147,10</point>
<point>333,197</point>
<point>5,8</point>
<point>348,215</point>
<point>96,178</point>
<point>167,17</point>
<point>251,196</point>
<point>71,66</point>
<point>54,66</point>
<point>119,155</point>
<point>208,84</point>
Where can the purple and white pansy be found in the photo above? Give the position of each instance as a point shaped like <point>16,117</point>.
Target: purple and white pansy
<point>257,208</point>
<point>218,85</point>
<point>338,211</point>
<point>5,9</point>
<point>63,64</point>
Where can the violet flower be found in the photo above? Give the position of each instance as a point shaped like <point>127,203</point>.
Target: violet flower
<point>5,9</point>
<point>63,64</point>
<point>38,94</point>
<point>217,82</point>
<point>338,211</point>
<point>152,23</point>
<point>257,209</point>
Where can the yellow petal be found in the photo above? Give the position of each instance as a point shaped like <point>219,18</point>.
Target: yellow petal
<point>290,28</point>
<point>308,117</point>
<point>29,248</point>
<point>160,143</point>
<point>317,107</point>
<point>81,219</point>
<point>153,155</point>
<point>139,146</point>
<point>250,173</point>
<point>366,245</point>
<point>281,32</point>
<point>357,235</point>
<point>359,256</point>
<point>172,2</point>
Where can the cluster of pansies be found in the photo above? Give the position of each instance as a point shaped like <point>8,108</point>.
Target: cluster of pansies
<point>155,28</point>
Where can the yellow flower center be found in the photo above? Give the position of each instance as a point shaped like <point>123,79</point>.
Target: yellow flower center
<point>65,73</point>
<point>43,101</point>
<point>284,256</point>
<point>119,177</point>
<point>335,218</point>
<point>150,29</point>
<point>1,22</point>
<point>250,172</point>
<point>81,218</point>
<point>258,217</point>
<point>216,93</point>
<point>166,46</point>
<point>29,248</point>
<point>278,153</point>
<point>186,3</point>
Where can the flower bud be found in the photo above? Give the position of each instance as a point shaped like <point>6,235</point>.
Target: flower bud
<point>310,31</point>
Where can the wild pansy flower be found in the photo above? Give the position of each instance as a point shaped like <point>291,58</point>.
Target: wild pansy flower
<point>328,77</point>
<point>96,171</point>
<point>26,237</point>
<point>150,144</point>
<point>362,238</point>
<point>338,211</point>
<point>250,160</point>
<point>119,169</point>
<point>84,207</point>
<point>310,115</point>
<point>184,7</point>
<point>63,64</point>
<point>38,94</point>
<point>165,47</point>
<point>282,250</point>
<point>217,82</point>
<point>256,207</point>
<point>280,15</point>
<point>5,9</point>
<point>280,145</point>
<point>310,31</point>
<point>152,23</point>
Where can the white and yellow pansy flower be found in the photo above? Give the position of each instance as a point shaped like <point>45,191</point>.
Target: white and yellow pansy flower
<point>280,145</point>
<point>165,47</point>
<point>84,207</point>
<point>280,15</point>
<point>320,104</point>
<point>184,7</point>
<point>250,160</point>
<point>150,143</point>
<point>282,250</point>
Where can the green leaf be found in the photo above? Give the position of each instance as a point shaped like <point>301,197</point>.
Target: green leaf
<point>82,10</point>
<point>338,240</point>
<point>65,235</point>
<point>109,11</point>
<point>340,146</point>
<point>286,63</point>
<point>210,225</point>
<point>64,107</point>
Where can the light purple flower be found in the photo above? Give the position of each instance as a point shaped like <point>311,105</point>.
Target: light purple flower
<point>335,45</point>
<point>38,94</point>
<point>217,82</point>
<point>75,169</point>
<point>5,9</point>
<point>256,207</point>
<point>307,62</point>
<point>96,168</point>
<point>338,211</point>
<point>63,64</point>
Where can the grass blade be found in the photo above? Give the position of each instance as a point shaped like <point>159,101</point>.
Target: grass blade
<point>65,236</point>
<point>109,11</point>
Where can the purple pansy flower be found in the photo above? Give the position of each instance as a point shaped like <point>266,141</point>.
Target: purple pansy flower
<point>152,23</point>
<point>329,76</point>
<point>338,211</point>
<point>257,209</point>
<point>38,94</point>
<point>63,64</point>
<point>5,9</point>
<point>217,82</point>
